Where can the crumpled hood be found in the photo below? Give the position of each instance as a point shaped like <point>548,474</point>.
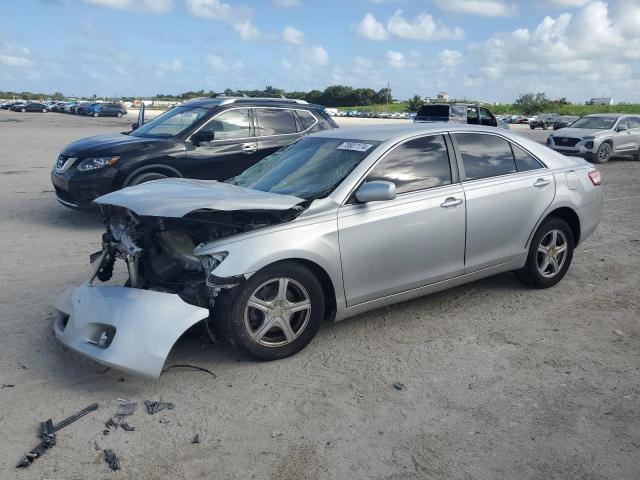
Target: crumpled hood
<point>579,132</point>
<point>176,197</point>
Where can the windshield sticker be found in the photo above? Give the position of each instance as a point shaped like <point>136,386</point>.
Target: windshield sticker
<point>354,146</point>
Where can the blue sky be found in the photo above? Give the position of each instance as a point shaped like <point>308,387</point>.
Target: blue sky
<point>487,49</point>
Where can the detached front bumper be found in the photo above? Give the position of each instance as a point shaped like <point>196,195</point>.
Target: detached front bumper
<point>129,329</point>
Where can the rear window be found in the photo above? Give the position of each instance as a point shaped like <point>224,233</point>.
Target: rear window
<point>306,118</point>
<point>485,156</point>
<point>434,111</point>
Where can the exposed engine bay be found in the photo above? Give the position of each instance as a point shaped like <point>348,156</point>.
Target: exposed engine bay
<point>158,251</point>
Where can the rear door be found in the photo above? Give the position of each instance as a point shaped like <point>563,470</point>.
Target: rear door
<point>232,150</point>
<point>418,238</point>
<point>634,128</point>
<point>275,128</point>
<point>624,140</point>
<point>507,190</point>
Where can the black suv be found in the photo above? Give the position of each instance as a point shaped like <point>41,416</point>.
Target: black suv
<point>455,113</point>
<point>213,138</point>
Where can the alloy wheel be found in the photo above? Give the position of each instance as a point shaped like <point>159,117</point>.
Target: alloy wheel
<point>604,153</point>
<point>277,312</point>
<point>552,253</point>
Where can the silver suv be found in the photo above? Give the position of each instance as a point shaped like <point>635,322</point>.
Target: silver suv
<point>599,137</point>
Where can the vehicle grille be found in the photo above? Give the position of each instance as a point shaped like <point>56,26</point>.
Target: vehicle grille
<point>565,141</point>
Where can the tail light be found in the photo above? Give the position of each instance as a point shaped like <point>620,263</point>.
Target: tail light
<point>594,176</point>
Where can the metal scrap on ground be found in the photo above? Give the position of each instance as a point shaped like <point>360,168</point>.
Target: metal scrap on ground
<point>111,459</point>
<point>155,407</point>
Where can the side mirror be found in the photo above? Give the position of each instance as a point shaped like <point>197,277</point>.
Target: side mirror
<point>134,126</point>
<point>202,137</point>
<point>377,191</point>
<point>621,128</point>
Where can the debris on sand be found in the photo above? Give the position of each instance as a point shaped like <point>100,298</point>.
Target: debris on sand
<point>398,386</point>
<point>155,407</point>
<point>47,435</point>
<point>125,409</point>
<point>126,427</point>
<point>111,459</point>
<point>196,438</point>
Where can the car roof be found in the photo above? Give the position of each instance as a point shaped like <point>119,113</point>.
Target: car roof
<point>611,115</point>
<point>250,101</point>
<point>382,133</point>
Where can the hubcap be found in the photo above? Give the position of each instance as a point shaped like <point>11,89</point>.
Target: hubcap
<point>277,312</point>
<point>604,153</point>
<point>552,253</point>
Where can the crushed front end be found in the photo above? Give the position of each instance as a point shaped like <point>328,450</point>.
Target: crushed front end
<point>169,289</point>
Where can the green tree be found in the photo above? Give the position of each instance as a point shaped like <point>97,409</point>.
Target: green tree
<point>530,103</point>
<point>414,103</point>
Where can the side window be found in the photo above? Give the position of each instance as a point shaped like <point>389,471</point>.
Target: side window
<point>623,123</point>
<point>230,125</point>
<point>415,165</point>
<point>524,161</point>
<point>485,155</point>
<point>634,122</point>
<point>472,116</point>
<point>275,121</point>
<point>307,119</point>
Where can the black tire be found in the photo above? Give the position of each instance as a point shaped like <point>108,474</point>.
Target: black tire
<point>603,154</point>
<point>530,273</point>
<point>146,177</point>
<point>532,127</point>
<point>119,114</point>
<point>23,110</point>
<point>229,313</point>
<point>96,114</point>
<point>636,156</point>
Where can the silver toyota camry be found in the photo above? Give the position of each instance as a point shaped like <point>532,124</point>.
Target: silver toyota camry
<point>336,224</point>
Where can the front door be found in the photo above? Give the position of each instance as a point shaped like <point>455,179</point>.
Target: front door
<point>416,239</point>
<point>232,150</point>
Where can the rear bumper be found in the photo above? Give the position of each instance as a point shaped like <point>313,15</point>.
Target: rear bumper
<point>129,329</point>
<point>589,216</point>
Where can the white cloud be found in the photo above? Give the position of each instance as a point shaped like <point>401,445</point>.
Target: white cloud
<point>292,35</point>
<point>449,58</point>
<point>592,51</point>
<point>173,66</point>
<point>396,59</point>
<point>566,3</point>
<point>318,56</point>
<point>14,60</point>
<point>146,6</point>
<point>424,27</point>
<point>286,3</point>
<point>369,27</point>
<point>486,8</point>
<point>238,18</point>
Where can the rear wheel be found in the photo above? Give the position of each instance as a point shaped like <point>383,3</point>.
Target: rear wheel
<point>603,154</point>
<point>274,314</point>
<point>550,254</point>
<point>119,114</point>
<point>146,177</point>
<point>23,110</point>
<point>44,110</point>
<point>96,114</point>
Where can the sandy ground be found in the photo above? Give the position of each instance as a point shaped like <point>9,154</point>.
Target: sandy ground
<point>501,381</point>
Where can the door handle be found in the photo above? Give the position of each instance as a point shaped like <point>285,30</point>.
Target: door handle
<point>541,182</point>
<point>451,202</point>
<point>248,148</point>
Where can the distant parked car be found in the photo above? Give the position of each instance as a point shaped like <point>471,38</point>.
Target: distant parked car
<point>544,121</point>
<point>30,107</point>
<point>564,121</point>
<point>599,137</point>
<point>109,110</point>
<point>86,108</point>
<point>456,113</point>
<point>8,105</point>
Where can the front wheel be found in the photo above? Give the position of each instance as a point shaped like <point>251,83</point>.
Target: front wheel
<point>550,254</point>
<point>23,110</point>
<point>96,114</point>
<point>119,114</point>
<point>603,154</point>
<point>274,314</point>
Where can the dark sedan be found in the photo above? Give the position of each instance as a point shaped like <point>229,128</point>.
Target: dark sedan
<point>30,107</point>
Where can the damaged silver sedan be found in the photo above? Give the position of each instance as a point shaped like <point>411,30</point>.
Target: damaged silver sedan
<point>334,225</point>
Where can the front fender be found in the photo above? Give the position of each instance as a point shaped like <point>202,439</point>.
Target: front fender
<point>315,242</point>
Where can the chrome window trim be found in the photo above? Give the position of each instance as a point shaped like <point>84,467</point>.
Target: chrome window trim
<point>285,134</point>
<point>255,137</point>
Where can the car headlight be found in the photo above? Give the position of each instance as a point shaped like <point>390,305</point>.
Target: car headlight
<point>96,163</point>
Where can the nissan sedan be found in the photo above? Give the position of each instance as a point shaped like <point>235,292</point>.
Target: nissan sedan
<point>336,224</point>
